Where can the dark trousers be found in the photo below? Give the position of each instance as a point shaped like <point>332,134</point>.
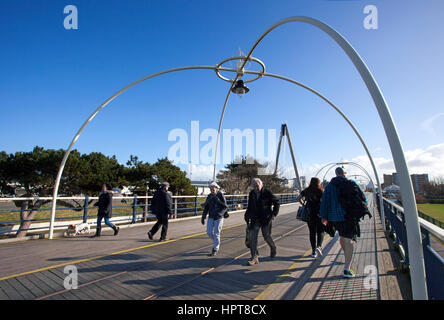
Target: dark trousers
<point>266,233</point>
<point>161,221</point>
<point>316,229</point>
<point>107,222</point>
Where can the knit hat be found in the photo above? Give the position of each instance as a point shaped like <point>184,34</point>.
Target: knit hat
<point>214,184</point>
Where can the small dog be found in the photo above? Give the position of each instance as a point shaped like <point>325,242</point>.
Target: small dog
<point>77,229</point>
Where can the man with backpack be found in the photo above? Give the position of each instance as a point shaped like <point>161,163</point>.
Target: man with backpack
<point>343,204</point>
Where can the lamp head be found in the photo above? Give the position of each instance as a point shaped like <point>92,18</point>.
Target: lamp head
<point>240,87</point>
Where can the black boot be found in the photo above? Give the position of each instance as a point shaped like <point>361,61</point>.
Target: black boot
<point>116,230</point>
<point>97,233</point>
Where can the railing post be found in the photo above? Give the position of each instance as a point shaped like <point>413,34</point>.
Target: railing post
<point>195,205</point>
<point>175,208</point>
<point>85,209</point>
<point>404,236</point>
<point>145,210</point>
<point>134,210</point>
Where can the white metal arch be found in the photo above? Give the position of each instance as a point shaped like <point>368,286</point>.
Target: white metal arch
<point>410,210</point>
<point>77,135</point>
<point>342,115</point>
<point>414,239</point>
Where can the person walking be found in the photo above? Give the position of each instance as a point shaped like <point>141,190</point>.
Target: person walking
<point>216,206</point>
<point>259,215</point>
<point>333,213</point>
<point>161,206</point>
<point>311,199</point>
<point>105,210</point>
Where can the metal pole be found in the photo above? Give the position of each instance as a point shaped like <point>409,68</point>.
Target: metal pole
<point>85,209</point>
<point>134,209</point>
<point>293,158</point>
<point>279,149</point>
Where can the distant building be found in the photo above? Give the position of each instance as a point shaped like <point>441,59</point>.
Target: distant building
<point>293,183</point>
<point>289,183</point>
<point>392,191</point>
<point>303,182</point>
<point>388,180</point>
<point>202,187</point>
<point>418,181</point>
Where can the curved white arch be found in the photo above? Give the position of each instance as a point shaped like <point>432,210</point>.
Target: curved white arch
<point>414,239</point>
<point>104,104</point>
<point>410,211</point>
<point>345,118</point>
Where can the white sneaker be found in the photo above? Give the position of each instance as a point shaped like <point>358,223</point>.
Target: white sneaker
<point>319,251</point>
<point>313,255</point>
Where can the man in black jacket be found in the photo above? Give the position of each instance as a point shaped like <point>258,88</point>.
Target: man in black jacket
<point>259,215</point>
<point>161,206</point>
<point>105,210</point>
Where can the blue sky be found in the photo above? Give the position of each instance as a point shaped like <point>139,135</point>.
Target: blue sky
<point>52,79</point>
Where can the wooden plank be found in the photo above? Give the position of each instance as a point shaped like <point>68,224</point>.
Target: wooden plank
<point>10,290</point>
<point>35,290</point>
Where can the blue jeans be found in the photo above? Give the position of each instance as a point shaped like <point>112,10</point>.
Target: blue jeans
<point>107,222</point>
<point>214,228</point>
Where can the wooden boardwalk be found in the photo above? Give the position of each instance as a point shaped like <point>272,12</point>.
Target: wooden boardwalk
<point>129,266</point>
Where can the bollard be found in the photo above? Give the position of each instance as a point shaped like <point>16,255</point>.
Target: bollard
<point>85,209</point>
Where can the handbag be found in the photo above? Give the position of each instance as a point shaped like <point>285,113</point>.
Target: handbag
<point>303,213</point>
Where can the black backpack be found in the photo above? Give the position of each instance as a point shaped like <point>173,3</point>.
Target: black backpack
<point>352,200</point>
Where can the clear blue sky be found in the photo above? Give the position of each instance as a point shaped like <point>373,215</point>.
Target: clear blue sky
<point>52,79</point>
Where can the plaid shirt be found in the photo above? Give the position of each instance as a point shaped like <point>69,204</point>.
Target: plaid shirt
<point>331,209</point>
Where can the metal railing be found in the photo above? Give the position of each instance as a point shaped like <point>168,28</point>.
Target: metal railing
<point>434,262</point>
<point>126,210</point>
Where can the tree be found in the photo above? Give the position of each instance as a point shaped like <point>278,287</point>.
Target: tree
<point>237,176</point>
<point>165,170</point>
<point>434,190</point>
<point>33,174</point>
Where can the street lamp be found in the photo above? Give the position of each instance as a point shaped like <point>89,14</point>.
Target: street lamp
<point>240,88</point>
